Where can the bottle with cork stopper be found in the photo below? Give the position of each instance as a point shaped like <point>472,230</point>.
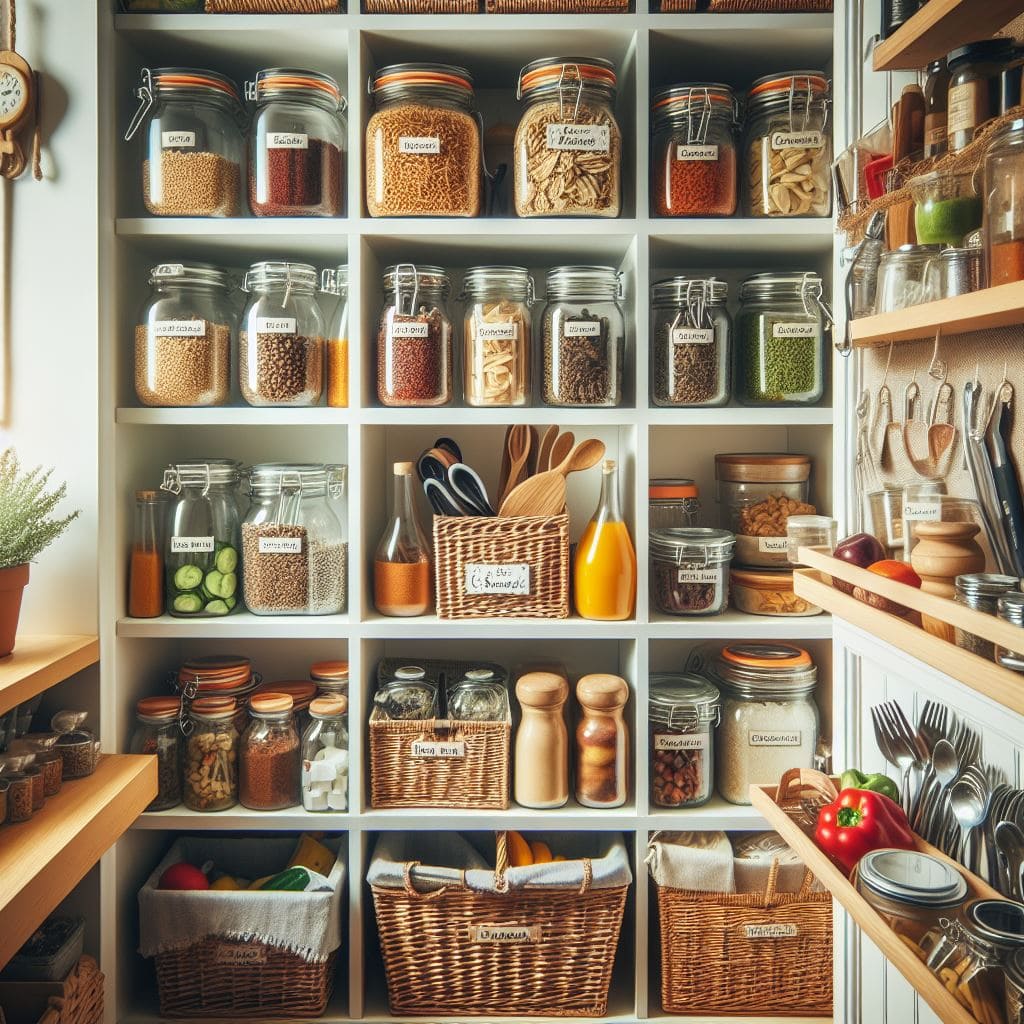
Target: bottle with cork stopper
<point>542,742</point>
<point>602,741</point>
<point>401,565</point>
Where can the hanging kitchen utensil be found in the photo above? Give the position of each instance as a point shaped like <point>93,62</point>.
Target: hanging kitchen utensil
<point>915,430</point>
<point>942,435</point>
<point>1004,473</point>
<point>466,485</point>
<point>884,431</point>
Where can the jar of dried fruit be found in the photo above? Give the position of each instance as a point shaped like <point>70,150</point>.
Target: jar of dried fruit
<point>788,146</point>
<point>270,769</point>
<point>496,333</point>
<point>210,778</point>
<point>602,741</point>
<point>158,732</point>
<point>693,158</point>
<point>423,148</point>
<point>193,148</point>
<point>296,145</point>
<point>414,337</point>
<point>690,570</point>
<point>568,147</point>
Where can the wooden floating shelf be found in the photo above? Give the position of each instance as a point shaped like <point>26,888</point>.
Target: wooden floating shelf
<point>39,662</point>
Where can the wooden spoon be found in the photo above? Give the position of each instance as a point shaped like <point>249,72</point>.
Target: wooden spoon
<point>559,450</point>
<point>586,454</point>
<point>547,439</point>
<point>540,495</point>
<point>506,463</point>
<point>519,452</point>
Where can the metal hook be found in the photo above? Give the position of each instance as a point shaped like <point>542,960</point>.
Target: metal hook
<point>937,368</point>
<point>888,363</point>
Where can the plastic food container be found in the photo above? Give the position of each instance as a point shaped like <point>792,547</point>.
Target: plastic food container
<point>767,592</point>
<point>50,953</point>
<point>690,570</point>
<point>683,710</point>
<point>806,531</point>
<point>947,207</point>
<point>672,503</point>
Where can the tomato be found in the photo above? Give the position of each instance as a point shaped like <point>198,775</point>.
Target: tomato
<point>898,572</point>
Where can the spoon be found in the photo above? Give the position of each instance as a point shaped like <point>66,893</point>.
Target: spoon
<point>547,439</point>
<point>969,806</point>
<point>540,495</point>
<point>519,453</point>
<point>946,766</point>
<point>559,450</point>
<point>585,455</point>
<point>1010,844</point>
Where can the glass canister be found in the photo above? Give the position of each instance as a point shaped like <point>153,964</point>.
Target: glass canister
<point>407,694</point>
<point>568,148</point>
<point>210,779</point>
<point>293,556</point>
<point>690,356</point>
<point>203,539</point>
<point>672,503</point>
<point>690,570</point>
<point>158,731</point>
<point>583,333</point>
<point>269,762</point>
<point>335,282</point>
<point>194,148</point>
<point>602,741</point>
<point>325,756</point>
<point>183,337</point>
<point>683,711</point>
<point>480,696</point>
<point>981,591</point>
<point>1010,608</point>
<point>767,592</point>
<point>414,337</point>
<point>1003,194</point>
<point>337,501</point>
<point>297,144</point>
<point>497,336</point>
<point>281,341</point>
<point>693,158</point>
<point>908,276</point>
<point>809,531</point>
<point>331,678</point>
<point>974,89</point>
<point>780,340</point>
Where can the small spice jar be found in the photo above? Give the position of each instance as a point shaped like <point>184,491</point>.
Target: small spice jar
<point>690,570</point>
<point>51,764</point>
<point>672,503</point>
<point>1004,205</point>
<point>78,747</point>
<point>809,531</point>
<point>19,796</point>
<point>407,695</point>
<point>480,696</point>
<point>974,90</point>
<point>981,591</point>
<point>602,741</point>
<point>683,710</point>
<point>325,756</point>
<point>690,355</point>
<point>281,342</point>
<point>331,678</point>
<point>1010,608</point>
<point>38,789</point>
<point>296,144</point>
<point>158,731</point>
<point>541,760</point>
<point>414,337</point>
<point>334,281</point>
<point>269,772</point>
<point>583,333</point>
<point>693,158</point>
<point>183,337</point>
<point>767,592</point>
<point>210,777</point>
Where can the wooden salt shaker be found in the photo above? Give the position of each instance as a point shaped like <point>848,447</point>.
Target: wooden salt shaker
<point>943,552</point>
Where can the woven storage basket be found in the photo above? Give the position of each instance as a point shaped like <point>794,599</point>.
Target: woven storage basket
<point>436,963</point>
<point>540,542</point>
<point>557,6</point>
<point>78,999</point>
<point>273,6</point>
<point>744,969</point>
<point>421,6</point>
<point>678,6</point>
<point>767,6</point>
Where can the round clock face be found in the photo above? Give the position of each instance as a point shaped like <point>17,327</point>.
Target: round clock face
<point>13,94</point>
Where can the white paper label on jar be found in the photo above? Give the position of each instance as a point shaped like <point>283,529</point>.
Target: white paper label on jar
<point>684,741</point>
<point>770,931</point>
<point>693,335</point>
<point>797,140</point>
<point>698,576</point>
<point>759,738</point>
<point>773,545</point>
<point>787,330</point>
<point>581,329</point>
<point>287,140</point>
<point>178,328</point>
<point>516,933</point>
<point>419,144</point>
<point>191,545</point>
<point>702,154</point>
<point>432,748</point>
<point>513,579</point>
<point>595,138</point>
<point>275,325</point>
<point>922,511</point>
<point>177,140</point>
<point>280,545</point>
<point>498,332</point>
<point>410,330</point>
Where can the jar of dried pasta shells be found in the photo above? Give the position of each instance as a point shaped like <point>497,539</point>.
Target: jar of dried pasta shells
<point>568,147</point>
<point>788,149</point>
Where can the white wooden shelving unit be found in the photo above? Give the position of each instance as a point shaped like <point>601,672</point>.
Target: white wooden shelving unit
<point>649,50</point>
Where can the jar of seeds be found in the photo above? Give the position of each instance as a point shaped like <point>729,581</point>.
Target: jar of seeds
<point>269,755</point>
<point>158,732</point>
<point>210,779</point>
<point>584,334</point>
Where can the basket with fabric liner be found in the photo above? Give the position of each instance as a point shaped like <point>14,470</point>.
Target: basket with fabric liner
<point>421,6</point>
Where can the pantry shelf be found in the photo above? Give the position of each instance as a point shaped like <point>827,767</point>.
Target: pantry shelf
<point>239,416</point>
<point>741,626</point>
<point>41,661</point>
<point>427,627</point>
<point>242,625</point>
<point>292,819</point>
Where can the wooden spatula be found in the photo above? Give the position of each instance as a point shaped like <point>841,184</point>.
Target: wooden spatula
<point>540,495</point>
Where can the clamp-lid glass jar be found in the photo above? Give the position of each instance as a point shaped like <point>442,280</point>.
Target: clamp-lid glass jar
<point>423,145</point>
<point>693,158</point>
<point>325,756</point>
<point>690,570</point>
<point>1010,608</point>
<point>334,281</point>
<point>568,148</point>
<point>281,342</point>
<point>194,149</point>
<point>690,348</point>
<point>269,768</point>
<point>183,337</point>
<point>974,89</point>
<point>683,710</point>
<point>672,503</point>
<point>296,144</point>
<point>1004,205</point>
<point>584,336</point>
<point>158,731</point>
<point>210,780</point>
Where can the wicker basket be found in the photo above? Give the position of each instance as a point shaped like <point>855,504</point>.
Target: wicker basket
<point>78,999</point>
<point>557,6</point>
<point>421,6</point>
<point>539,542</point>
<point>764,953</point>
<point>273,6</point>
<point>678,6</point>
<point>767,6</point>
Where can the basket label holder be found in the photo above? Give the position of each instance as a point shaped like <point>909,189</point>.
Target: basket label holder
<point>517,934</point>
<point>511,579</point>
<point>770,931</point>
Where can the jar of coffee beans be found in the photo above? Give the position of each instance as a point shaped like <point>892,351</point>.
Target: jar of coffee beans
<point>210,778</point>
<point>269,753</point>
<point>584,334</point>
<point>158,732</point>
<point>683,711</point>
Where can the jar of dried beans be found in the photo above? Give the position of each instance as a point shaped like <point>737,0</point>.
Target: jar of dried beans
<point>693,157</point>
<point>690,570</point>
<point>602,741</point>
<point>158,732</point>
<point>334,281</point>
<point>293,557</point>
<point>193,148</point>
<point>423,148</point>
<point>568,148</point>
<point>584,335</point>
<point>496,334</point>
<point>210,779</point>
<point>183,337</point>
<point>683,711</point>
<point>414,337</point>
<point>325,756</point>
<point>281,342</point>
<point>296,145</point>
<point>270,767</point>
<point>788,147</point>
<point>690,356</point>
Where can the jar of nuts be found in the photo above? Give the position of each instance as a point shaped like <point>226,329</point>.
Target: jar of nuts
<point>683,712</point>
<point>788,147</point>
<point>602,741</point>
<point>210,780</point>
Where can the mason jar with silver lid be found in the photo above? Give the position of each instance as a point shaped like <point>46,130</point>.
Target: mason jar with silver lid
<point>1010,608</point>
<point>682,711</point>
<point>981,591</point>
<point>690,570</point>
<point>408,694</point>
<point>480,696</point>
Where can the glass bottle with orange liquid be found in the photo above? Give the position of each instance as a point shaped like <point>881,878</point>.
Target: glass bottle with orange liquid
<point>146,567</point>
<point>401,564</point>
<point>604,573</point>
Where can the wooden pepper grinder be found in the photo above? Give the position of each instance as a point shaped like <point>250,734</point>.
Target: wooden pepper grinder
<point>943,552</point>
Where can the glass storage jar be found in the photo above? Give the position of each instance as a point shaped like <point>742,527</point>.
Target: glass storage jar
<point>981,591</point>
<point>407,695</point>
<point>767,592</point>
<point>683,711</point>
<point>693,156</point>
<point>936,95</point>
<point>602,741</point>
<point>690,570</point>
<point>583,332</point>
<point>268,753</point>
<point>334,281</point>
<point>1010,608</point>
<point>202,546</point>
<point>423,145</point>
<point>497,335</point>
<point>414,337</point>
<point>281,341</point>
<point>210,779</point>
<point>331,678</point>
<point>690,349</point>
<point>807,531</point>
<point>1003,194</point>
<point>325,756</point>
<point>568,148</point>
<point>78,747</point>
<point>293,556</point>
<point>19,796</point>
<point>672,503</point>
<point>296,145</point>
<point>183,337</point>
<point>779,340</point>
<point>158,731</point>
<point>788,146</point>
<point>974,92</point>
<point>480,696</point>
<point>908,276</point>
<point>194,148</point>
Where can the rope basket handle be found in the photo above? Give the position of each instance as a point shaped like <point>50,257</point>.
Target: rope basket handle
<point>411,890</point>
<point>771,891</point>
<point>501,868</point>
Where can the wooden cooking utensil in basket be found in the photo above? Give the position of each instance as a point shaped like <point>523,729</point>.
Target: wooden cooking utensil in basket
<point>544,494</point>
<point>518,442</point>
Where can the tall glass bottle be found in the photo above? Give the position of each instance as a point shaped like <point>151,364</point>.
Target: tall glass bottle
<point>401,564</point>
<point>146,568</point>
<point>604,573</point>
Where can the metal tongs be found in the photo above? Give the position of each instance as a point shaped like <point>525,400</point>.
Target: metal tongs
<point>1004,475</point>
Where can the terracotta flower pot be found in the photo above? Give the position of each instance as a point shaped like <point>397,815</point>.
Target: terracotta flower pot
<point>12,585</point>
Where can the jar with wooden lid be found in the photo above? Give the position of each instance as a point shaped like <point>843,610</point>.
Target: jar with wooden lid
<point>158,732</point>
<point>210,778</point>
<point>325,756</point>
<point>331,678</point>
<point>683,711</point>
<point>541,769</point>
<point>269,762</point>
<point>602,741</point>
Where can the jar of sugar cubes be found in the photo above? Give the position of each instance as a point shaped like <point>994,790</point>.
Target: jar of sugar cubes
<point>325,756</point>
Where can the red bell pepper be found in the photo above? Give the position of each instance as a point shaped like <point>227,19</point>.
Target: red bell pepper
<point>859,821</point>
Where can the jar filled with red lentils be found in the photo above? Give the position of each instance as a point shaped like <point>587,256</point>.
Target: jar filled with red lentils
<point>683,711</point>
<point>270,767</point>
<point>693,156</point>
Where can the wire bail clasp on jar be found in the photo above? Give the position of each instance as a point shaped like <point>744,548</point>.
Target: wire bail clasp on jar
<point>144,94</point>
<point>189,692</point>
<point>814,304</point>
<point>337,481</point>
<point>410,269</point>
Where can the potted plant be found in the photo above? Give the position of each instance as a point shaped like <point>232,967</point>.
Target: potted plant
<point>26,528</point>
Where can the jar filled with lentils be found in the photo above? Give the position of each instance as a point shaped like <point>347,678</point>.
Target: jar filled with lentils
<point>183,337</point>
<point>584,334</point>
<point>281,342</point>
<point>423,145</point>
<point>158,732</point>
<point>414,337</point>
<point>691,342</point>
<point>568,148</point>
<point>270,766</point>
<point>297,144</point>
<point>210,779</point>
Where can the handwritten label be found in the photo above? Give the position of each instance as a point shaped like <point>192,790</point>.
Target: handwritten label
<point>410,330</point>
<point>287,140</point>
<point>168,270</point>
<point>784,330</point>
<point>275,325</point>
<point>689,575</point>
<point>693,335</point>
<point>672,741</point>
<point>513,579</point>
<point>595,138</point>
<point>190,545</point>
<point>774,739</point>
<point>177,140</point>
<point>770,931</point>
<point>581,328</point>
<point>515,934</point>
<point>797,140</point>
<point>240,956</point>
<point>280,546</point>
<point>921,511</point>
<point>703,154</point>
<point>179,328</point>
<point>772,545</point>
<point>426,145</point>
<point>497,332</point>
<point>427,748</point>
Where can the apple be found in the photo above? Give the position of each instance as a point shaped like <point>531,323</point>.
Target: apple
<point>183,876</point>
<point>862,550</point>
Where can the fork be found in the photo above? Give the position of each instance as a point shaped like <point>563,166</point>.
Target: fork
<point>910,752</point>
<point>894,746</point>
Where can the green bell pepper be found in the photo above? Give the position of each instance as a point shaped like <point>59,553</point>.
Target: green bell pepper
<point>875,782</point>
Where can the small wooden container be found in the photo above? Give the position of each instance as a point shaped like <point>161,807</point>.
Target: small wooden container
<point>943,552</point>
